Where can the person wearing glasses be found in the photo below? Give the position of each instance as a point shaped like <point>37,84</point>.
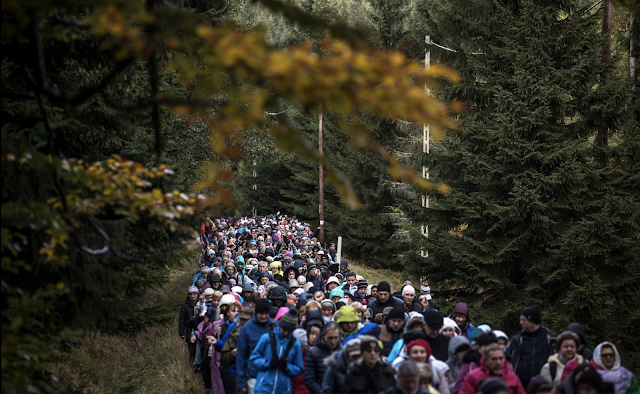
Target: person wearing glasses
<point>530,348</point>
<point>606,360</point>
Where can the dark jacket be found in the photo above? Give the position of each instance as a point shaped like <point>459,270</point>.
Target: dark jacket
<point>388,338</point>
<point>186,314</point>
<point>529,351</point>
<point>317,281</point>
<point>337,367</point>
<point>314,366</point>
<point>396,390</point>
<point>439,347</point>
<point>362,380</point>
<point>377,307</point>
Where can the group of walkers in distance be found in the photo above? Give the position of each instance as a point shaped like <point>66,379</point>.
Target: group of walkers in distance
<point>271,311</point>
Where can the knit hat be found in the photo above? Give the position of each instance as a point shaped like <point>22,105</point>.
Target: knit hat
<point>384,286</point>
<point>421,343</point>
<point>215,278</point>
<point>473,338</point>
<point>348,314</point>
<point>281,312</point>
<point>344,262</point>
<point>408,290</point>
<point>486,338</point>
<point>192,289</point>
<point>293,283</point>
<point>396,313</point>
<point>227,299</point>
<point>301,302</point>
<point>333,279</point>
<point>363,283</point>
<point>289,320</point>
<point>501,334</point>
<point>337,292</point>
<point>412,335</point>
<point>538,382</point>
<point>308,286</point>
<point>208,291</point>
<point>328,304</point>
<point>301,335</point>
<point>450,323</point>
<point>246,313</point>
<point>247,288</point>
<point>262,306</point>
<point>532,313</point>
<point>225,289</point>
<point>433,319</point>
<point>352,348</point>
<point>493,386</point>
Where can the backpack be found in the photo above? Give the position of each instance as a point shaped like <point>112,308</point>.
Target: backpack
<point>272,340</point>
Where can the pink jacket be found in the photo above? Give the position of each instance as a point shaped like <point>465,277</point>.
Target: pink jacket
<point>475,377</point>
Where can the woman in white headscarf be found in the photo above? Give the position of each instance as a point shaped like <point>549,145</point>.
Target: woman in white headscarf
<point>606,360</point>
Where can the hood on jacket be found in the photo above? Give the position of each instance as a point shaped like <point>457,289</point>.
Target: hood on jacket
<point>290,268</point>
<point>278,293</point>
<point>462,308</point>
<point>597,360</point>
<point>449,323</point>
<point>454,345</point>
<point>578,330</point>
<point>314,318</point>
<point>347,314</point>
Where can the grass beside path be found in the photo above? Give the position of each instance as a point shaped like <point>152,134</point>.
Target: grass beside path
<point>153,361</point>
<point>374,275</point>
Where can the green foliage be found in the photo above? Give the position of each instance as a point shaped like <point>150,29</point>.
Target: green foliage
<point>97,95</point>
<point>533,216</point>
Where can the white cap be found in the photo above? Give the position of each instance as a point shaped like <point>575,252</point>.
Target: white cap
<point>408,290</point>
<point>298,291</point>
<point>227,299</point>
<point>208,291</point>
<point>236,289</point>
<point>333,279</point>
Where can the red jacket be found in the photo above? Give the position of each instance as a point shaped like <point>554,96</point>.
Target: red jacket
<point>297,382</point>
<point>475,377</point>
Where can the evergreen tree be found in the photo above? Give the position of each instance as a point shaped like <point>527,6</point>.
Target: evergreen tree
<point>533,215</point>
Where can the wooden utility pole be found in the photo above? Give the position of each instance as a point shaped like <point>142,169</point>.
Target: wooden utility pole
<point>425,145</point>
<point>255,187</point>
<point>602,139</point>
<point>321,183</point>
<point>632,54</point>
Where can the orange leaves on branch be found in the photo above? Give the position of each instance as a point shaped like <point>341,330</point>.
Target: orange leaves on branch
<point>242,74</point>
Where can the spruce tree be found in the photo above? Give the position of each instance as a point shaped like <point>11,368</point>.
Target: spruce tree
<point>533,215</point>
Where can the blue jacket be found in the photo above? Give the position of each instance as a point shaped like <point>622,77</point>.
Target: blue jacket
<point>368,329</point>
<point>275,380</point>
<point>197,276</point>
<point>249,336</point>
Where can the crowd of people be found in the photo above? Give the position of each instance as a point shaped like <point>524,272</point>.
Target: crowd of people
<point>270,311</point>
